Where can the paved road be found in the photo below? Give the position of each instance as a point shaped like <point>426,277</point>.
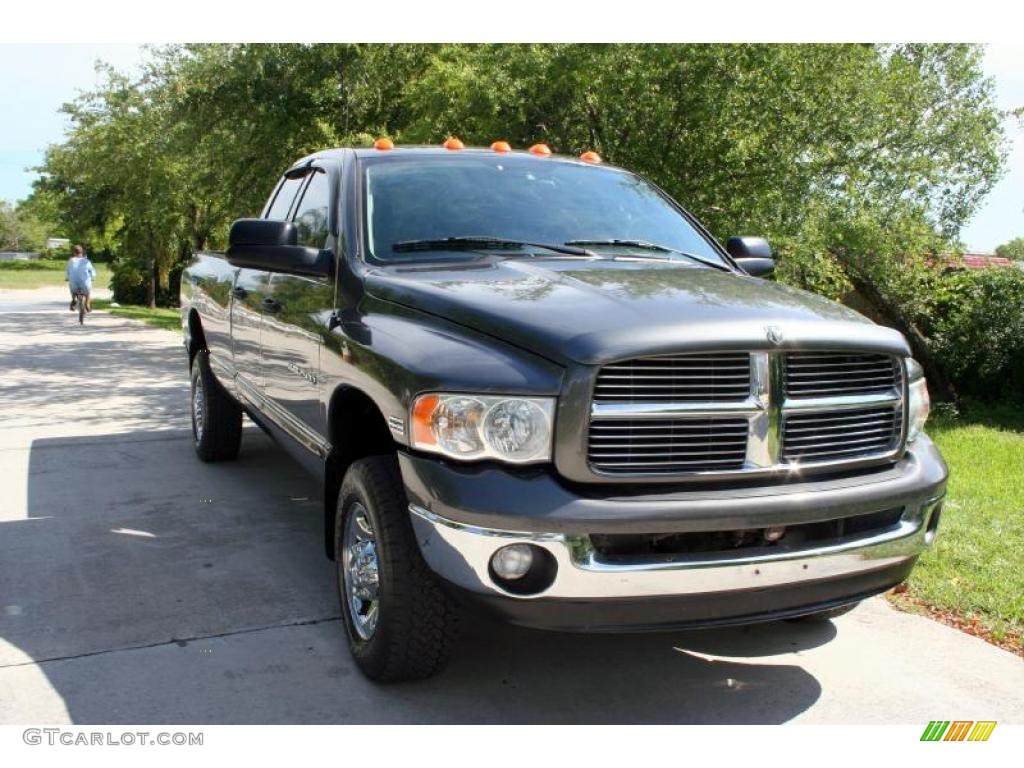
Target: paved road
<point>138,585</point>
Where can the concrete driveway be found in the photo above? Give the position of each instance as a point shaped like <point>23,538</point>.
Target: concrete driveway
<point>138,585</point>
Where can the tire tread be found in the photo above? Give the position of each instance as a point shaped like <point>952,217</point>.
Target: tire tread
<point>422,620</point>
<point>222,431</point>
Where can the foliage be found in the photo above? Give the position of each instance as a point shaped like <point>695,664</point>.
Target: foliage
<point>978,332</point>
<point>855,160</point>
<point>128,283</point>
<point>1012,250</point>
<point>20,229</point>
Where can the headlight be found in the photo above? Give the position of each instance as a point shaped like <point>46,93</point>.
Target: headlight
<point>513,429</point>
<point>919,403</point>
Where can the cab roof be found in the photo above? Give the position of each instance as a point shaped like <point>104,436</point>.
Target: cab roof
<point>420,150</point>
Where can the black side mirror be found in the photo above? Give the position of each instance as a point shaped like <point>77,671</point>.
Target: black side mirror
<point>270,245</point>
<point>753,254</point>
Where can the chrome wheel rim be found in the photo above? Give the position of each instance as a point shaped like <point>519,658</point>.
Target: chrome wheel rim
<point>360,569</point>
<point>197,410</point>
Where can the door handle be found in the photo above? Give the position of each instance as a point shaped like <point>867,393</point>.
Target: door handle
<point>239,293</point>
<point>271,305</point>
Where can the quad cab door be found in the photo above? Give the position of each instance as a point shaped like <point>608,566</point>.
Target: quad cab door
<point>294,319</point>
<point>250,297</point>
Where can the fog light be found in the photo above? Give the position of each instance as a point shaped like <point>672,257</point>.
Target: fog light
<point>513,561</point>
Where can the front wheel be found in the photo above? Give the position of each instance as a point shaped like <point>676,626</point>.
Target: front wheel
<point>400,623</point>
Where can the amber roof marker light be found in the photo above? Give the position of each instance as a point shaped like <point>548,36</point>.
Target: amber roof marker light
<point>542,150</point>
<point>383,144</point>
<point>501,146</point>
<point>453,142</point>
<point>590,157</point>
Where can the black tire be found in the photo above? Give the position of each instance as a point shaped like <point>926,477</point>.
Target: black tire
<point>822,616</point>
<point>216,417</point>
<point>416,622</point>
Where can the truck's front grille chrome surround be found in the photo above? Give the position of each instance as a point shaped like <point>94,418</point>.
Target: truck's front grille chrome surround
<point>759,412</point>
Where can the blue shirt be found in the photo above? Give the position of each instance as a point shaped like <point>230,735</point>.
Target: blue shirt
<point>80,273</point>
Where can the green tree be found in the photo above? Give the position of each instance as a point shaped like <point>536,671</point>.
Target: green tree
<point>1012,250</point>
<point>21,229</point>
<point>857,161</point>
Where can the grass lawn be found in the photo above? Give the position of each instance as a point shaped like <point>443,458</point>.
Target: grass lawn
<point>39,273</point>
<point>974,575</point>
<point>161,317</point>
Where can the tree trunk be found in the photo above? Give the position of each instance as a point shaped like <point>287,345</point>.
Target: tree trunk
<point>152,283</point>
<point>939,386</point>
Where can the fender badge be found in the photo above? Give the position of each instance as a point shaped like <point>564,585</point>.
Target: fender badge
<point>774,334</point>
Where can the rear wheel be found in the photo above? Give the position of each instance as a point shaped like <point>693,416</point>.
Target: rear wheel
<point>400,623</point>
<point>216,418</point>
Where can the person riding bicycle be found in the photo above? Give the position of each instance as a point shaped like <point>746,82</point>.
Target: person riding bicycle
<point>79,274</point>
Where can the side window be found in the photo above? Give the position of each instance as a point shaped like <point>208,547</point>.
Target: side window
<point>312,213</point>
<point>283,200</point>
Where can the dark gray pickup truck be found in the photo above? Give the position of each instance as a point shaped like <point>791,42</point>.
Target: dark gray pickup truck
<point>536,386</point>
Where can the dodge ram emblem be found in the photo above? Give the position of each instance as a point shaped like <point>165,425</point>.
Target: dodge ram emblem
<point>774,334</point>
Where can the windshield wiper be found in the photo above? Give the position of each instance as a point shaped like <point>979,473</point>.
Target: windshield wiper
<point>649,246</point>
<point>469,243</point>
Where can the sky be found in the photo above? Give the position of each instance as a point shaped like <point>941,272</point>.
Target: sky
<point>36,79</point>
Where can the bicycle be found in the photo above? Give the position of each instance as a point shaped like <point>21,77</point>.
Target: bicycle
<point>79,299</point>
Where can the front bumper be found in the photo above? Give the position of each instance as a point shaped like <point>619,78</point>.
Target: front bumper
<point>592,592</point>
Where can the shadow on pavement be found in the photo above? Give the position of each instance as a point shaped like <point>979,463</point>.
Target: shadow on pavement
<point>215,576</point>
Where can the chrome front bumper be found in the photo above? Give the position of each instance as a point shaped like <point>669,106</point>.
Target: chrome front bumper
<point>461,555</point>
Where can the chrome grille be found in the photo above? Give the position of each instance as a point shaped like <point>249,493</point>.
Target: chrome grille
<point>668,445</point>
<point>711,378</point>
<point>836,435</point>
<point>828,374</point>
<point>744,412</point>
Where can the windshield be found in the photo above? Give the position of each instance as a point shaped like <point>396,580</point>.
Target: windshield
<point>515,198</point>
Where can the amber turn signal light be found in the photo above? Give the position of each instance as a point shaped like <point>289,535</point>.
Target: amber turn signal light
<point>422,414</point>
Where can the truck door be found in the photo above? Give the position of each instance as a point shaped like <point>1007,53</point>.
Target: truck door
<point>294,319</point>
<point>250,297</point>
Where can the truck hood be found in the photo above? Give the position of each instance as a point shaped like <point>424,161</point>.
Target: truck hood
<point>591,312</point>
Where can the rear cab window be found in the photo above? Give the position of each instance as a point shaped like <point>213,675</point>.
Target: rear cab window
<point>283,198</point>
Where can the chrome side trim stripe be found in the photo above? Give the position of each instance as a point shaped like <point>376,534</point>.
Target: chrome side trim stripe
<point>295,428</point>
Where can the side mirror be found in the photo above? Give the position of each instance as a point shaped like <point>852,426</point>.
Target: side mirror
<point>753,254</point>
<point>270,246</point>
